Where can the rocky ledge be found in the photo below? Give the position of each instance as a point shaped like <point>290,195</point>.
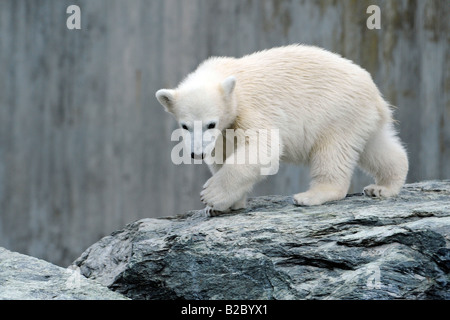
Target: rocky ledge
<point>26,278</point>
<point>356,248</point>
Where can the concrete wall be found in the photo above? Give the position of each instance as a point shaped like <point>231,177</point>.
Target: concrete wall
<point>85,147</point>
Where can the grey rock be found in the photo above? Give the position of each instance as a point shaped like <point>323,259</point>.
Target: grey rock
<point>28,278</point>
<point>356,248</point>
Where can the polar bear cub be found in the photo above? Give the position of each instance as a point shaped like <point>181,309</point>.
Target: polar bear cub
<point>327,111</point>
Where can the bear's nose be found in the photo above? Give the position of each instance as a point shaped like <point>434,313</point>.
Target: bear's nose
<point>197,157</point>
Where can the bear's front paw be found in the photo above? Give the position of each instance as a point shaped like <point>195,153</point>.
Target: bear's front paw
<point>217,196</point>
<point>307,199</point>
<point>214,196</point>
<point>213,213</point>
<point>376,191</point>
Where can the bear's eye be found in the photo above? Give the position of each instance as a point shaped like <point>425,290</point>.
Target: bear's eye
<point>212,125</point>
<point>184,127</point>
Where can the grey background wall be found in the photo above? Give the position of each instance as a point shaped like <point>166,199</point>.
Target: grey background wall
<point>85,147</point>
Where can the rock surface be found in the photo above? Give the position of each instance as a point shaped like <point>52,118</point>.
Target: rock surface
<point>27,278</point>
<point>357,248</point>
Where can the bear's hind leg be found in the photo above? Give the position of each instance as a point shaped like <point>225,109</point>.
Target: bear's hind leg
<point>331,171</point>
<point>386,160</point>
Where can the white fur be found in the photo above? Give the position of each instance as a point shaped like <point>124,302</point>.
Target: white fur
<point>330,114</point>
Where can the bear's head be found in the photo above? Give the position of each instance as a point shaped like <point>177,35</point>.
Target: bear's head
<point>202,111</point>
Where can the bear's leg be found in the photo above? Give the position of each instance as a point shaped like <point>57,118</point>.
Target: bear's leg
<point>228,187</point>
<point>331,170</point>
<point>240,204</point>
<point>386,160</point>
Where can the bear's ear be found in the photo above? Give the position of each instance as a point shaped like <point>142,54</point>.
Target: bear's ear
<point>166,98</point>
<point>228,85</point>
